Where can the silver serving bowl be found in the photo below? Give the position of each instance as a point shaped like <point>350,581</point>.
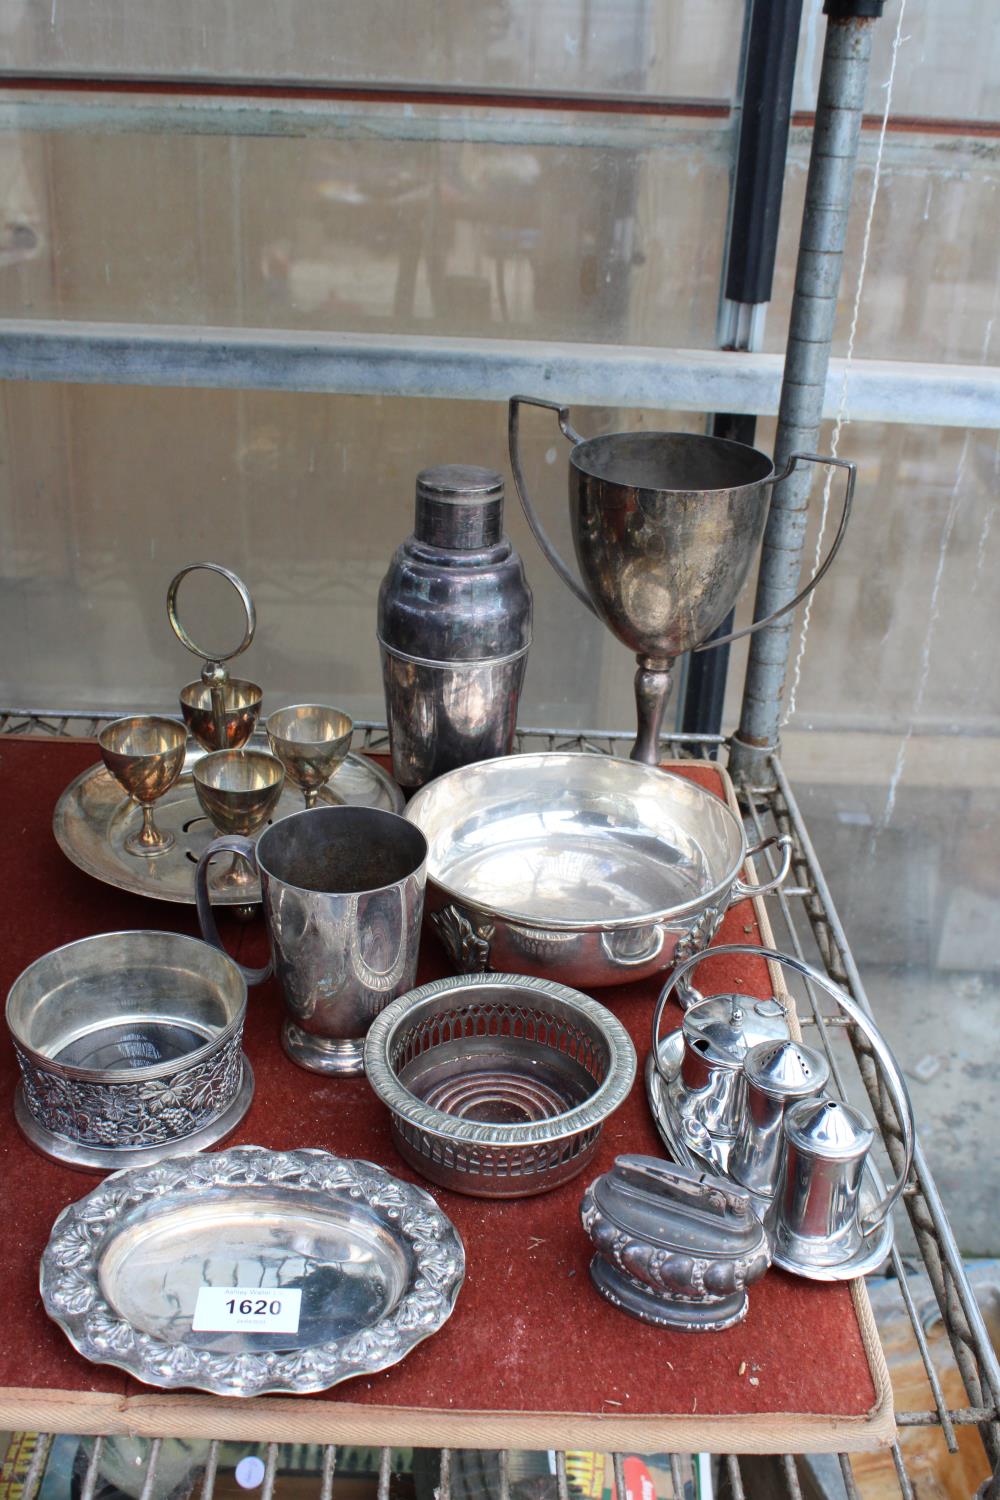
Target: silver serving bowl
<point>579,867</point>
<point>498,1085</point>
<point>130,1048</point>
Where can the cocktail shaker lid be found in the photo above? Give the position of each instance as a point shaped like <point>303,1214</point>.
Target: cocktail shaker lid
<point>829,1129</point>
<point>459,506</point>
<point>786,1069</point>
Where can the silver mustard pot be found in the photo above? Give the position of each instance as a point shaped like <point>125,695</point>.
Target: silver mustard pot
<point>710,1085</point>
<point>454,628</point>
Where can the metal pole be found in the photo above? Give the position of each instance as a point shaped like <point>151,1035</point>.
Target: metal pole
<point>844,77</point>
<point>767,74</point>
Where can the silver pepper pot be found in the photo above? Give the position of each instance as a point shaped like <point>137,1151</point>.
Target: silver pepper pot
<point>826,1149</point>
<point>777,1075</point>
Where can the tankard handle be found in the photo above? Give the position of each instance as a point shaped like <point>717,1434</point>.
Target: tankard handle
<point>540,534</point>
<point>864,1023</point>
<point>235,844</point>
<point>824,567</point>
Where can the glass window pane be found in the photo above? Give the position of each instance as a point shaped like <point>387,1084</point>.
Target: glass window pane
<point>618,242</point>
<point>948,65</point>
<point>932,280</point>
<point>688,47</point>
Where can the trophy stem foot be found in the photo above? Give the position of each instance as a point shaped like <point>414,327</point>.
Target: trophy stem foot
<point>653,682</point>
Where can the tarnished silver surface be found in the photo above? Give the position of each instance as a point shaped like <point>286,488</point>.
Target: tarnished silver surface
<point>665,526</point>
<point>676,1246</point>
<point>343,895</point>
<point>93,818</point>
<point>498,1085</point>
<point>580,868</point>
<point>221,715</point>
<point>311,741</point>
<point>85,1158</point>
<point>145,755</point>
<point>443,716</point>
<point>454,628</point>
<point>129,1041</point>
<point>378,1264</point>
<point>220,711</point>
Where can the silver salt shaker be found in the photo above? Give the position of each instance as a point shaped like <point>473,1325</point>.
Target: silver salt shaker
<point>454,627</point>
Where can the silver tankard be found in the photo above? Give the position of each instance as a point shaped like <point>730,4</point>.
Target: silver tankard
<point>343,896</point>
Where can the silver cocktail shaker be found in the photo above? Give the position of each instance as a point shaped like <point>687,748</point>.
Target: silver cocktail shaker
<point>454,627</point>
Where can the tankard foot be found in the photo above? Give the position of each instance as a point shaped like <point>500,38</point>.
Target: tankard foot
<point>320,1054</point>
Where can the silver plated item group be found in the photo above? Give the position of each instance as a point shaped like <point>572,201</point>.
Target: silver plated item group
<point>541,871</point>
<point>377,1267</point>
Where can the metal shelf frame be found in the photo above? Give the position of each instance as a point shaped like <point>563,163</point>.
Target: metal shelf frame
<point>806,924</point>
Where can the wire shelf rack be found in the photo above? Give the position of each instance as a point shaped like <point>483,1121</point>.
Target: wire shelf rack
<point>931,1280</point>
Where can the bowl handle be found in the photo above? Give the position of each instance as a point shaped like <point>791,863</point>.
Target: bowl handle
<point>541,535</point>
<point>741,888</point>
<point>206,916</point>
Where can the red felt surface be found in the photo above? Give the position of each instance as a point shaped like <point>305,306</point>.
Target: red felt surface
<point>529,1332</point>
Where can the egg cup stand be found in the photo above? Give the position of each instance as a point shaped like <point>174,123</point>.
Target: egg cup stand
<point>440,1414</point>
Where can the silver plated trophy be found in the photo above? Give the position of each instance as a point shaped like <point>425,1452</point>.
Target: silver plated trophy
<point>665,527</point>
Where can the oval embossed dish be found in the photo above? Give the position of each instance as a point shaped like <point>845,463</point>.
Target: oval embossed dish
<point>377,1264</point>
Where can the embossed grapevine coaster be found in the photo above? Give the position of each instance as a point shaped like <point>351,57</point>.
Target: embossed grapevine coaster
<point>250,1272</point>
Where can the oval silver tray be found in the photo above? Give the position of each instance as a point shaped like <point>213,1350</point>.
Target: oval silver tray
<point>378,1264</point>
<point>93,817</point>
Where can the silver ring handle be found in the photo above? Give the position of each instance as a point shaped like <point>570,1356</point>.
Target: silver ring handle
<point>864,1023</point>
<point>181,633</point>
<point>235,844</point>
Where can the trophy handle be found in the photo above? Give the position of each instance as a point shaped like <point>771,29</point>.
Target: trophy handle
<point>541,537</point>
<point>813,458</point>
